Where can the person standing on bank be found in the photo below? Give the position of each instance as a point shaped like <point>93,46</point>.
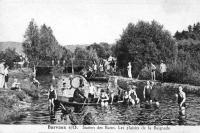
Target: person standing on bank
<point>163,70</point>
<point>129,70</point>
<point>181,96</point>
<point>153,71</point>
<point>6,76</point>
<point>2,78</point>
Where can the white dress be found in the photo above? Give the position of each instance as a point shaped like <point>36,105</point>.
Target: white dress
<point>2,77</point>
<point>129,71</point>
<point>163,68</point>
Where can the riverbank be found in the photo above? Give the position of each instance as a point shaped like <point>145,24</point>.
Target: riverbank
<point>158,87</point>
<point>13,102</point>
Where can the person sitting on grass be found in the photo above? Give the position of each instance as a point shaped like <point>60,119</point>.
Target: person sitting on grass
<point>103,98</point>
<point>15,85</point>
<point>36,82</point>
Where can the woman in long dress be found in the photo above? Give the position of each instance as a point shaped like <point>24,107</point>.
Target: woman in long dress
<point>2,76</point>
<point>129,70</point>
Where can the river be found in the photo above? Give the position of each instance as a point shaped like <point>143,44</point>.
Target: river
<point>166,114</point>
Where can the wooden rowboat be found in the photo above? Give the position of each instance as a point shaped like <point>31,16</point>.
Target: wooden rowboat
<point>100,79</point>
<point>71,83</point>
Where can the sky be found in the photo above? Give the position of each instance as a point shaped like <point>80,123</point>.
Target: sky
<point>89,21</point>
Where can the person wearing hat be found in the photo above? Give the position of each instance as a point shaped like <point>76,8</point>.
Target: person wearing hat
<point>2,76</point>
<point>133,95</point>
<point>163,70</point>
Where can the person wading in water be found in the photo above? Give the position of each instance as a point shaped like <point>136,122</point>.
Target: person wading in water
<point>133,95</point>
<point>181,96</point>
<point>52,96</point>
<point>103,98</point>
<point>147,93</point>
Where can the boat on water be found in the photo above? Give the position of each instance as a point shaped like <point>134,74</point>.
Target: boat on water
<point>66,85</point>
<point>100,79</point>
<point>65,92</point>
<point>65,95</point>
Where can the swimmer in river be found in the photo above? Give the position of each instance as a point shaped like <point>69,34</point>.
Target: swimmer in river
<point>133,95</point>
<point>181,96</point>
<point>52,96</point>
<point>147,92</point>
<point>154,95</point>
<point>103,98</point>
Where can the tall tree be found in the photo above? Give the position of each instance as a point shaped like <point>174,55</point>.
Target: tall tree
<point>142,43</point>
<point>31,42</point>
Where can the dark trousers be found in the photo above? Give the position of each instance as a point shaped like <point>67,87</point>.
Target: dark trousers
<point>163,76</point>
<point>91,97</point>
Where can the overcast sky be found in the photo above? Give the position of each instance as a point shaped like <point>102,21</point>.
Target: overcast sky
<point>88,21</point>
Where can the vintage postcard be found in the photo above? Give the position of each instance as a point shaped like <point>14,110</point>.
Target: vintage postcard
<point>99,66</point>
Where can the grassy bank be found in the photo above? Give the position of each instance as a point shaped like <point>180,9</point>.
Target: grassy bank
<point>13,102</point>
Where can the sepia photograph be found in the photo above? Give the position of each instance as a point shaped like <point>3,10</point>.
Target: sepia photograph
<point>100,62</point>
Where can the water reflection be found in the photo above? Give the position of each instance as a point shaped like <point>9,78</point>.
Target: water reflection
<point>166,114</point>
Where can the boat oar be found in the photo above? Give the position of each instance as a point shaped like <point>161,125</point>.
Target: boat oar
<point>62,106</point>
<point>83,105</point>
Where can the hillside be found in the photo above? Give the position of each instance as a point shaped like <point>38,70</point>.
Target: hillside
<point>73,47</point>
<point>16,45</point>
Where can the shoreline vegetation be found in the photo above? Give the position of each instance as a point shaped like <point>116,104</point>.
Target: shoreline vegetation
<point>13,102</point>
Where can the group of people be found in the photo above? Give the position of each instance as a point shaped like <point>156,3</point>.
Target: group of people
<point>105,96</point>
<point>105,66</point>
<point>152,68</point>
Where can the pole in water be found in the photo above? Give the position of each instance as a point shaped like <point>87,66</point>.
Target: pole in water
<point>72,66</point>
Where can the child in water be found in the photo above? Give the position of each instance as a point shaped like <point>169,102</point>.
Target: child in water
<point>133,95</point>
<point>181,96</point>
<point>147,93</point>
<point>52,96</point>
<point>103,98</point>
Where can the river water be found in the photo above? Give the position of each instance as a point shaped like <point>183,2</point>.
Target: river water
<point>166,114</point>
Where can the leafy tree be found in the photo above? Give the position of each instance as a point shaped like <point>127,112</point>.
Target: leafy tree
<point>102,49</point>
<point>31,42</point>
<point>10,56</point>
<point>144,43</point>
<point>41,44</point>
